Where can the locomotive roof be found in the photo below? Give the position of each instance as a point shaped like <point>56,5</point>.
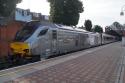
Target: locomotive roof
<point>59,26</point>
<point>70,28</point>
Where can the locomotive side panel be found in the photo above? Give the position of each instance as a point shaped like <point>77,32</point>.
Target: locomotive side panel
<point>66,41</point>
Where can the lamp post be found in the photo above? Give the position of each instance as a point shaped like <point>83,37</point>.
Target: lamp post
<point>123,31</point>
<point>122,10</point>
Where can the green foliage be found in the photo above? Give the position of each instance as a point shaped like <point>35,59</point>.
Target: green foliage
<point>88,25</point>
<point>7,7</point>
<point>98,29</point>
<point>65,11</point>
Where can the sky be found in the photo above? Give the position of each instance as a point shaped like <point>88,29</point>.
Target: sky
<point>100,12</point>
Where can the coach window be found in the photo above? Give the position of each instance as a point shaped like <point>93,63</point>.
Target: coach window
<point>43,32</point>
<point>54,34</point>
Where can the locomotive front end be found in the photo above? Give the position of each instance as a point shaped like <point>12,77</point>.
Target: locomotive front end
<point>21,49</point>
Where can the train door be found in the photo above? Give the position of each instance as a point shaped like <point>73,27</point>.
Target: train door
<point>54,42</point>
<point>76,41</point>
<point>91,39</point>
<point>86,40</point>
<point>80,41</point>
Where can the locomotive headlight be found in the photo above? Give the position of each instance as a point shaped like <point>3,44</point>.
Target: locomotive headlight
<point>26,50</point>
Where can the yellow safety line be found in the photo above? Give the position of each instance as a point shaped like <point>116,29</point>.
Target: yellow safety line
<point>13,72</point>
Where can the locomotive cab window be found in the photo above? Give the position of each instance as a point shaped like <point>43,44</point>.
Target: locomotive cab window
<point>43,32</point>
<point>25,32</point>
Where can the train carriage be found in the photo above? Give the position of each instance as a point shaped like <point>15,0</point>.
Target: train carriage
<point>94,39</point>
<point>107,38</point>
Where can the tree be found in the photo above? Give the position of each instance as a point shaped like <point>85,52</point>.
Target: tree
<point>88,25</point>
<point>7,7</point>
<point>65,11</point>
<point>98,29</point>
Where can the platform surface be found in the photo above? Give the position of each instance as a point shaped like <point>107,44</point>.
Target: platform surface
<point>104,64</point>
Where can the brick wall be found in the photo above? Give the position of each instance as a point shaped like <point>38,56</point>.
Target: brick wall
<point>7,34</point>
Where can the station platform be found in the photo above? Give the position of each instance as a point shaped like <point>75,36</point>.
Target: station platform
<point>103,64</point>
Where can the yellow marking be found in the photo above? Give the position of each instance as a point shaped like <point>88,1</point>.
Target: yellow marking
<point>19,47</point>
<point>10,73</point>
<point>19,70</point>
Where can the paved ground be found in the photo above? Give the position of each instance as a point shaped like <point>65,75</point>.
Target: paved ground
<point>98,65</point>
